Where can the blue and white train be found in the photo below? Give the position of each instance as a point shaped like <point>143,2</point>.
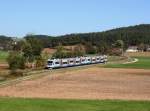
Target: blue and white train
<point>70,62</point>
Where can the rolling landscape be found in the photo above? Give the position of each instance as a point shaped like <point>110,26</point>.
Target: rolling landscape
<point>92,87</point>
<point>78,68</point>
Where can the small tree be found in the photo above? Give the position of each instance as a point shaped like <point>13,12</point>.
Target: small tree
<point>60,53</point>
<point>119,44</point>
<point>16,63</point>
<point>31,49</point>
<point>40,62</point>
<point>36,46</point>
<point>27,52</point>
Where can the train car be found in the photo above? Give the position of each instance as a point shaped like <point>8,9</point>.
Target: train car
<point>93,60</point>
<point>64,62</point>
<point>98,59</point>
<point>69,62</point>
<point>83,61</point>
<point>77,61</point>
<point>105,58</point>
<point>88,60</point>
<point>53,63</point>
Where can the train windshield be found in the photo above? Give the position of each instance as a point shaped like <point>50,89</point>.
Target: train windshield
<point>49,62</point>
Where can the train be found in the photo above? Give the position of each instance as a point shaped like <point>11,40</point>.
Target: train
<point>77,61</point>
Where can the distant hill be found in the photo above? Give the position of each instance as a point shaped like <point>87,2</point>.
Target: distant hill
<point>5,43</point>
<point>132,35</point>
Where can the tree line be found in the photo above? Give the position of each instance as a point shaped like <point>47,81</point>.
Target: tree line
<point>133,35</point>
<point>6,43</point>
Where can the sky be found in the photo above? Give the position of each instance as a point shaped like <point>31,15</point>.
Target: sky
<point>59,17</point>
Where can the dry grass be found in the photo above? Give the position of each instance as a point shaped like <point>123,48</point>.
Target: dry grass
<point>140,54</point>
<point>90,83</point>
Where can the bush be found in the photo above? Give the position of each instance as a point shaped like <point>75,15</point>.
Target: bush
<point>16,61</point>
<point>115,52</point>
<point>40,62</point>
<point>62,53</point>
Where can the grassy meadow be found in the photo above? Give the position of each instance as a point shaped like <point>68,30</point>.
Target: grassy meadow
<point>16,104</point>
<point>143,63</point>
<point>3,56</point>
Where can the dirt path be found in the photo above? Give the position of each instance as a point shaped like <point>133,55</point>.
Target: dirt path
<point>91,83</point>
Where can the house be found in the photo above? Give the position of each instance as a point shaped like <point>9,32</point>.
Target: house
<point>148,49</point>
<point>132,49</point>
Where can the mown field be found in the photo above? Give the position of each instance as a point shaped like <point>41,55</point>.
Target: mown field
<point>143,63</point>
<point>15,104</point>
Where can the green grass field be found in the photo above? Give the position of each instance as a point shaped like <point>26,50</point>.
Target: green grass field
<point>3,56</point>
<point>14,104</point>
<point>143,63</point>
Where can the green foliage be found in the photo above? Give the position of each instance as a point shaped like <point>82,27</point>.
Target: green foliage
<point>103,48</point>
<point>62,53</point>
<point>40,62</point>
<point>19,45</point>
<point>90,49</point>
<point>22,104</point>
<point>117,48</point>
<point>16,61</point>
<point>27,52</point>
<point>3,56</point>
<point>35,45</point>
<point>32,49</point>
<point>5,43</point>
<point>119,44</point>
<point>133,35</point>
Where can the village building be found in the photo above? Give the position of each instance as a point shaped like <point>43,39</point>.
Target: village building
<point>132,49</point>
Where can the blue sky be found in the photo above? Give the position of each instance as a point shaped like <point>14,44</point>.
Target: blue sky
<point>58,17</point>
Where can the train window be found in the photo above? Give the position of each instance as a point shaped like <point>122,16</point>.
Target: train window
<point>83,60</point>
<point>65,63</point>
<point>71,61</point>
<point>89,59</point>
<point>57,63</point>
<point>93,60</point>
<point>50,62</point>
<point>97,58</point>
<point>77,61</point>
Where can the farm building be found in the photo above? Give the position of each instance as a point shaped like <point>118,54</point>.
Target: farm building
<point>132,49</point>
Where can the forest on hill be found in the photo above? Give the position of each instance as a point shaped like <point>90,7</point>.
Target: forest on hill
<point>132,35</point>
<point>5,43</point>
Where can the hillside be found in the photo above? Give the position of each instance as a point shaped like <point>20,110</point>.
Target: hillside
<point>132,35</point>
<point>5,42</point>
